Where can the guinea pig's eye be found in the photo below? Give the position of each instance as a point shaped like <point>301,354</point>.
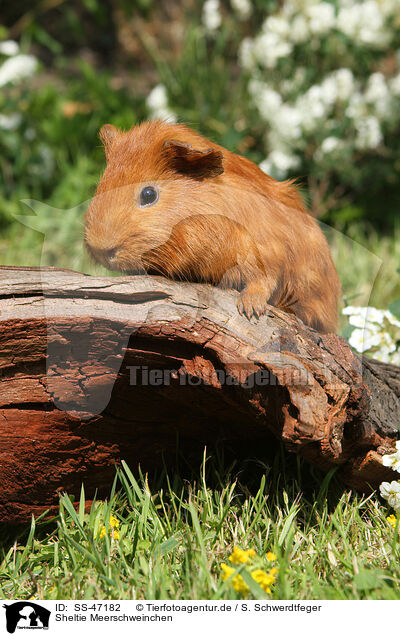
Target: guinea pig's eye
<point>148,195</point>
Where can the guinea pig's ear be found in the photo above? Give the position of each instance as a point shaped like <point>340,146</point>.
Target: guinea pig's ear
<point>107,135</point>
<point>198,164</point>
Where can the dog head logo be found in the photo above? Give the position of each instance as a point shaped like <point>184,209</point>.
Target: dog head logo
<point>26,615</point>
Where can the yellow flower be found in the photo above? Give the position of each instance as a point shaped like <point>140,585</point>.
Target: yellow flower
<point>103,532</point>
<point>392,519</point>
<point>237,581</point>
<point>227,571</point>
<point>114,523</point>
<point>264,579</point>
<point>239,585</point>
<point>241,556</point>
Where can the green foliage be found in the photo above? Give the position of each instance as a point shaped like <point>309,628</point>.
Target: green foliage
<point>53,154</point>
<point>175,533</point>
<point>172,536</point>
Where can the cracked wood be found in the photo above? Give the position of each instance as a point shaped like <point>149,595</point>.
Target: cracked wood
<point>98,369</point>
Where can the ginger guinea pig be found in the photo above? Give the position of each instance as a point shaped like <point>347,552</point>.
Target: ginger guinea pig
<point>171,202</point>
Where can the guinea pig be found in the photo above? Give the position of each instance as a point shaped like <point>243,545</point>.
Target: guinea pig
<point>171,202</point>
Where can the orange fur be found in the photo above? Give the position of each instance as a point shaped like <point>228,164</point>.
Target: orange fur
<point>218,219</point>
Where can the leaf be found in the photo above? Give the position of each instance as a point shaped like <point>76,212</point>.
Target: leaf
<point>347,331</point>
<point>287,525</point>
<point>366,580</point>
<point>394,307</point>
<point>255,588</point>
<point>347,299</point>
<point>81,513</point>
<point>167,546</point>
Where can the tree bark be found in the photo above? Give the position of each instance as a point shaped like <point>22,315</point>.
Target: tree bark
<point>94,370</point>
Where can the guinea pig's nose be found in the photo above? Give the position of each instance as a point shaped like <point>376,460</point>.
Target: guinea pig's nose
<point>106,256</point>
<point>110,254</point>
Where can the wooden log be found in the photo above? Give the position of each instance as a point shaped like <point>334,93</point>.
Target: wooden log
<point>94,370</point>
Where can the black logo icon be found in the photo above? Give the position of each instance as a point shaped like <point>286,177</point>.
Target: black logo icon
<point>26,615</point>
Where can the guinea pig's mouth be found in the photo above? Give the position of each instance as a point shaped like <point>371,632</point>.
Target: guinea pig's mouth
<point>109,257</point>
<point>120,259</point>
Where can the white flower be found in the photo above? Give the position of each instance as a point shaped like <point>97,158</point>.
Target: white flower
<point>372,28</point>
<point>392,461</point>
<point>376,88</point>
<point>375,315</point>
<point>157,98</point>
<point>357,107</point>
<point>157,102</point>
<point>211,15</point>
<point>369,134</point>
<point>351,310</point>
<point>278,25</point>
<point>391,492</point>
<point>329,90</point>
<point>265,98</point>
<point>363,22</point>
<point>330,144</point>
<point>374,331</point>
<point>269,47</point>
<point>275,141</point>
<point>298,114</point>
<point>344,83</point>
<point>314,95</point>
<point>348,20</point>
<point>361,322</point>
<point>9,47</point>
<point>378,94</point>
<point>321,17</point>
<point>10,122</point>
<point>362,340</point>
<point>17,68</point>
<point>395,358</point>
<point>299,29</point>
<point>383,355</point>
<point>357,315</point>
<point>391,318</point>
<point>279,163</point>
<point>287,122</point>
<point>243,8</point>
<point>246,54</point>
<point>387,343</point>
<point>370,313</point>
<point>311,107</point>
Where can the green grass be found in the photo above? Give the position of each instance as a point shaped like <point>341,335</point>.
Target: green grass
<point>174,534</point>
<point>368,264</point>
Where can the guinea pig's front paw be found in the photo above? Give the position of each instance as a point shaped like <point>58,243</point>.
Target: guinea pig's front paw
<point>251,303</point>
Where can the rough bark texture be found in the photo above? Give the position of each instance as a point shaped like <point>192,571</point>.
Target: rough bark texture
<point>95,370</point>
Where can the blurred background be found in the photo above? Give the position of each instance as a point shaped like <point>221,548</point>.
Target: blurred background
<point>305,88</point>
